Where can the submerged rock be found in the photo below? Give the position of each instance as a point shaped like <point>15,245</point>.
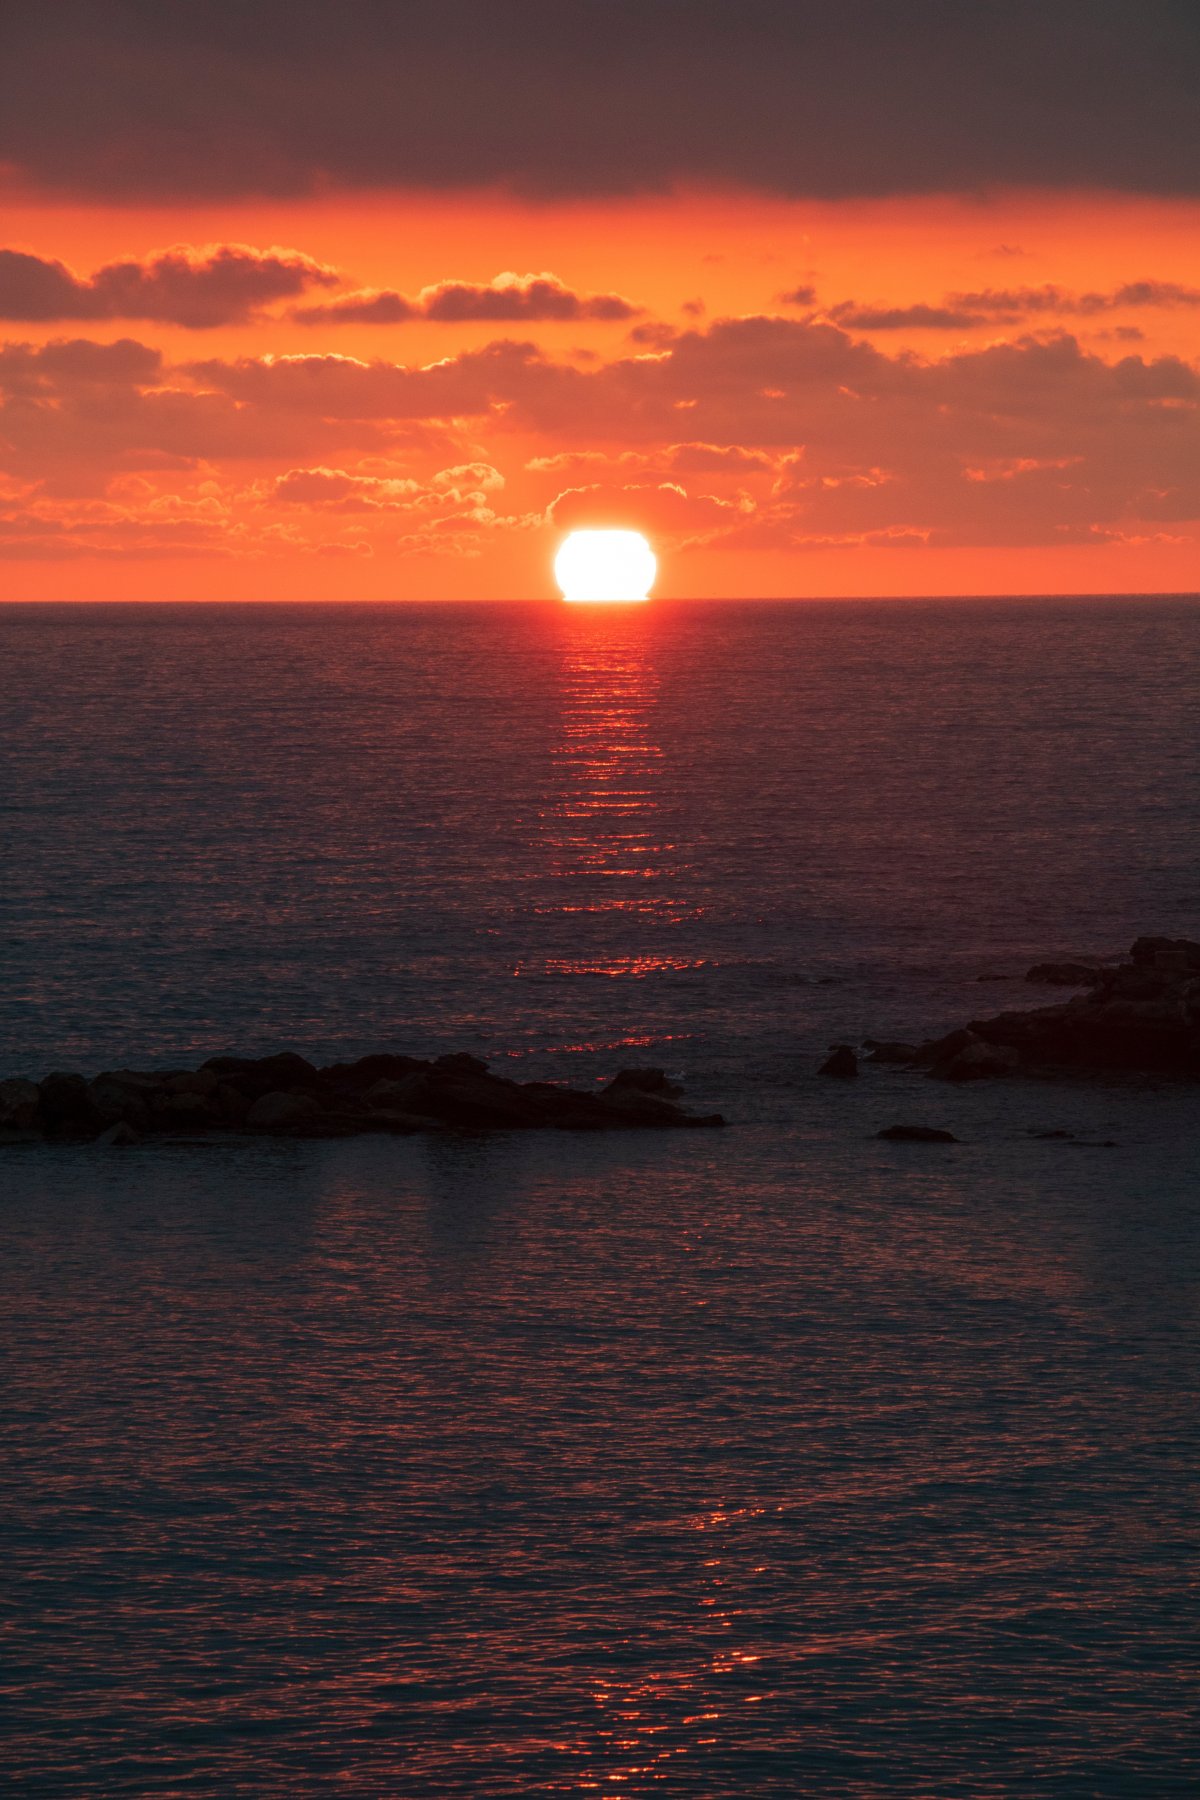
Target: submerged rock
<point>974,1060</point>
<point>917,1134</point>
<point>842,1064</point>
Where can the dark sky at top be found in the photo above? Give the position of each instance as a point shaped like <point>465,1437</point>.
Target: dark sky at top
<point>156,98</point>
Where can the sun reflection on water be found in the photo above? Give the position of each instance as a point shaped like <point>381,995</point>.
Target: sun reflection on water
<point>602,831</point>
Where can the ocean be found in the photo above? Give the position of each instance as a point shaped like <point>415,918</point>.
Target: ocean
<point>774,1461</point>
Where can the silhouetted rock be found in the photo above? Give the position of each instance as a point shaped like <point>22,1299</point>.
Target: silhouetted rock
<point>889,1053</point>
<point>940,1050</point>
<point>287,1096</point>
<point>280,1111</point>
<point>1170,955</point>
<point>192,1081</point>
<point>183,1112</point>
<point>117,1102</point>
<point>231,1104</point>
<point>645,1081</point>
<point>118,1136</point>
<point>1141,1017</point>
<point>916,1134</point>
<point>460,1062</point>
<point>356,1077</point>
<point>1064,974</point>
<point>975,1061</point>
<point>65,1107</point>
<point>19,1104</point>
<point>843,1063</point>
<point>638,1106</point>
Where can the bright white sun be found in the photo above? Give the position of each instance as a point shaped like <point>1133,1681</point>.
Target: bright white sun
<point>605,565</point>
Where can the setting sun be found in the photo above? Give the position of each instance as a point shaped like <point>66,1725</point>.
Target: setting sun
<point>605,565</point>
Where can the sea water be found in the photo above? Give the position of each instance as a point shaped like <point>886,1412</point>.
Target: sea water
<point>773,1461</point>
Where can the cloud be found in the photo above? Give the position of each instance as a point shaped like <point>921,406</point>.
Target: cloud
<point>1010,306</point>
<point>1013,304</point>
<point>665,509</point>
<point>730,459</point>
<point>797,430</point>
<point>507,297</point>
<point>220,284</point>
<point>133,99</point>
<point>29,369</point>
<point>905,318</point>
<point>345,387</point>
<point>74,410</point>
<point>468,484</point>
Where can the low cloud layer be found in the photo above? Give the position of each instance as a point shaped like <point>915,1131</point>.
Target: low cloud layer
<point>222,284</point>
<point>799,435</point>
<point>1007,306</point>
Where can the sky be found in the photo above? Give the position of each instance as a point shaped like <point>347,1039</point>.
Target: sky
<point>377,301</point>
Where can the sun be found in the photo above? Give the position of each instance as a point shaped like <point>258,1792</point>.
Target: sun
<point>605,565</point>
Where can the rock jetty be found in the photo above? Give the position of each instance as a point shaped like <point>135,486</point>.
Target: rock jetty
<point>287,1096</point>
<point>1140,1017</point>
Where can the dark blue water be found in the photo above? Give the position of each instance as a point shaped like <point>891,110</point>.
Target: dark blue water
<point>780,1461</point>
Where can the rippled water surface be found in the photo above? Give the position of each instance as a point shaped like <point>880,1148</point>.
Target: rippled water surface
<point>773,1462</point>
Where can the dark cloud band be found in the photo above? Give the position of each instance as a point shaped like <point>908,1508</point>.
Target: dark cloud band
<point>133,99</point>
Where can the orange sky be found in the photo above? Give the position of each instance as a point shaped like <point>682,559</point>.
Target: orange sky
<point>1040,439</point>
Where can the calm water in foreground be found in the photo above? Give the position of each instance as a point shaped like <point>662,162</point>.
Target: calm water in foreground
<point>780,1461</point>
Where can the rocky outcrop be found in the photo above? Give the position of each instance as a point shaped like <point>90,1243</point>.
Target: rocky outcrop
<point>287,1096</point>
<point>1140,1017</point>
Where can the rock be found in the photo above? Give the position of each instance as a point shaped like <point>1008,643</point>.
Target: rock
<point>397,1123</point>
<point>136,1081</point>
<point>1064,974</point>
<point>641,1108</point>
<point>288,1071</point>
<point>117,1102</point>
<point>461,1063</point>
<point>916,1134</point>
<point>1142,1017</point>
<point>231,1104</point>
<point>937,1050</point>
<point>288,1096</point>
<point>890,1053</point>
<point>645,1081</point>
<point>119,1135</point>
<point>357,1076</point>
<point>387,1093</point>
<point>843,1063</point>
<point>65,1107</point>
<point>976,1061</point>
<point>182,1112</point>
<point>280,1112</point>
<point>460,1097</point>
<point>1173,954</point>
<point>19,1104</point>
<point>197,1081</point>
